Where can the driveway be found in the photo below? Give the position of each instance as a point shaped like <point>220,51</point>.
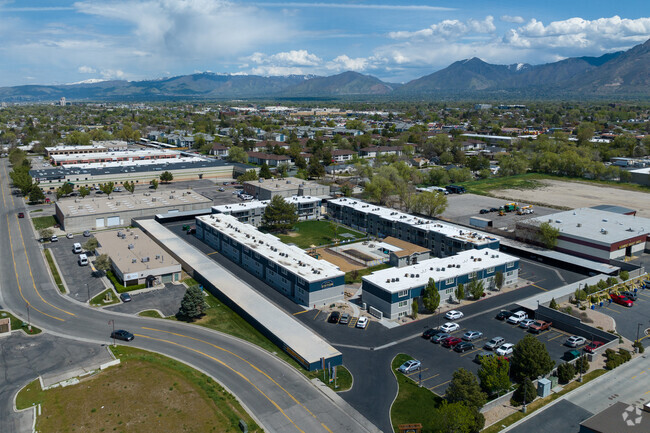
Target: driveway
<point>166,300</point>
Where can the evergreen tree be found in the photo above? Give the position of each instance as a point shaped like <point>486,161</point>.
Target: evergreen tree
<point>525,393</point>
<point>494,374</point>
<point>465,388</point>
<point>530,359</point>
<point>36,195</point>
<point>431,296</point>
<point>192,305</point>
<point>460,292</point>
<point>154,184</point>
<point>498,280</point>
<point>279,216</point>
<point>265,172</point>
<point>166,177</point>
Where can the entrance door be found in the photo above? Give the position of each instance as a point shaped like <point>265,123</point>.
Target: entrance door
<point>628,251</point>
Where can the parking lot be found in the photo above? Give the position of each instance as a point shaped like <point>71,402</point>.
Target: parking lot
<point>630,319</point>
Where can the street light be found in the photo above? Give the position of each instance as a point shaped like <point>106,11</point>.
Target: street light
<point>113,334</point>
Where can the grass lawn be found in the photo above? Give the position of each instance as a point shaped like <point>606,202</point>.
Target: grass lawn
<point>113,399</point>
<point>343,378</point>
<point>150,313</point>
<point>16,323</point>
<point>54,270</point>
<point>541,402</point>
<point>308,233</point>
<point>355,276</point>
<point>412,401</point>
<point>98,301</point>
<point>43,222</point>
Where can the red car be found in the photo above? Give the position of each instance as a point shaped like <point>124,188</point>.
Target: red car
<point>591,347</point>
<point>539,326</point>
<point>21,215</point>
<point>621,300</point>
<point>451,341</point>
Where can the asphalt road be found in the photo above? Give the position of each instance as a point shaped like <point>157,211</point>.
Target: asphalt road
<point>280,397</point>
<point>23,358</point>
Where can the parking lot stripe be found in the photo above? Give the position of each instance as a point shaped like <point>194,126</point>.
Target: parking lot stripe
<point>470,352</point>
<point>557,336</point>
<point>213,252</point>
<point>610,309</point>
<point>440,384</point>
<point>541,288</point>
<point>300,312</point>
<point>431,377</point>
<point>416,371</point>
<point>317,313</point>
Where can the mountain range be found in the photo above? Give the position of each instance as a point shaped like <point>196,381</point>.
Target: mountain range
<point>623,74</point>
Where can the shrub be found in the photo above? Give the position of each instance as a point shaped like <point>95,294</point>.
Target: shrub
<point>553,304</point>
<point>624,275</point>
<point>566,372</point>
<point>614,359</point>
<point>582,364</point>
<point>527,389</point>
<point>580,295</point>
<point>639,346</point>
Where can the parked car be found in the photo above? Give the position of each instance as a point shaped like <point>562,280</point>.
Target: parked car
<point>439,337</point>
<point>539,326</point>
<point>54,238</point>
<point>593,346</point>
<point>483,211</point>
<point>526,323</point>
<point>517,317</point>
<point>453,315</point>
<point>121,334</point>
<point>334,317</point>
<point>505,349</point>
<point>575,341</point>
<point>494,209</point>
<point>428,333</point>
<point>125,297</point>
<point>450,327</point>
<point>409,366</point>
<point>222,189</point>
<point>483,354</point>
<point>630,295</point>
<point>345,319</point>
<point>362,322</point>
<point>86,233</point>
<point>504,314</point>
<point>69,235</point>
<point>472,335</point>
<point>21,215</point>
<point>463,347</point>
<point>621,300</point>
<point>494,343</point>
<point>451,341</point>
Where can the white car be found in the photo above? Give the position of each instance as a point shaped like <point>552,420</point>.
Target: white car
<point>526,323</point>
<point>54,238</point>
<point>505,349</point>
<point>517,317</point>
<point>575,341</point>
<point>410,366</point>
<point>362,322</point>
<point>449,327</point>
<point>453,315</point>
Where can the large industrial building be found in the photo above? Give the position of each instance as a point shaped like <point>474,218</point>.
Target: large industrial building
<point>592,234</point>
<point>288,269</point>
<point>441,238</point>
<point>95,147</point>
<point>94,213</point>
<point>265,189</point>
<point>392,291</point>
<point>136,259</point>
<point>252,212</point>
<point>115,156</point>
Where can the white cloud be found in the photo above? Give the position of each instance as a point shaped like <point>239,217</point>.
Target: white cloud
<point>273,70</point>
<point>345,63</point>
<point>512,19</point>
<point>86,70</point>
<point>289,58</point>
<point>357,6</point>
<point>449,29</point>
<point>113,74</point>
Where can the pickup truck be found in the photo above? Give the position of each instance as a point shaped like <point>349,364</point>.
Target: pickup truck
<point>539,326</point>
<point>517,317</point>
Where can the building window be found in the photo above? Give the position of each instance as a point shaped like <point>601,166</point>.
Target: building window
<point>450,281</point>
<point>402,304</point>
<point>472,275</point>
<point>402,293</point>
<point>510,265</point>
<point>490,270</point>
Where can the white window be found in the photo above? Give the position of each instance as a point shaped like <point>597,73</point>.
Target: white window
<point>490,270</point>
<point>472,275</point>
<point>509,274</point>
<point>402,304</point>
<point>510,265</point>
<point>449,291</point>
<point>402,293</point>
<point>450,281</point>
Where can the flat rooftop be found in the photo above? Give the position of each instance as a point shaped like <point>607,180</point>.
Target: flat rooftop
<point>135,154</point>
<point>596,225</point>
<point>266,245</point>
<point>286,328</point>
<point>99,205</point>
<point>285,184</point>
<point>134,251</point>
<point>72,148</point>
<point>439,269</point>
<point>257,204</point>
<point>468,235</point>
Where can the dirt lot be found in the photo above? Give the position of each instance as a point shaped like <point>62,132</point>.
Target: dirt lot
<point>580,194</point>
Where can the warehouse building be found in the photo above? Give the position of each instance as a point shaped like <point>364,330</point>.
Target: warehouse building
<point>640,176</point>
<point>442,239</point>
<point>252,212</point>
<point>136,259</point>
<point>592,234</point>
<point>106,156</point>
<point>288,269</point>
<point>265,189</point>
<point>94,213</point>
<point>74,150</point>
<point>390,292</point>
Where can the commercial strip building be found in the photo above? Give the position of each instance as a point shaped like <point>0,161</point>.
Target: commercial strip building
<point>117,156</point>
<point>252,212</point>
<point>288,269</point>
<point>93,212</point>
<point>442,239</point>
<point>390,292</point>
<point>591,233</point>
<point>310,350</point>
<point>95,147</point>
<point>136,259</point>
<point>265,189</point>
<point>640,176</point>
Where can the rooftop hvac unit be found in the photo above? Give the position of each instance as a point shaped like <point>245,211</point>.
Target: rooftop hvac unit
<point>406,275</point>
<point>157,256</point>
<point>131,246</point>
<point>388,280</point>
<point>412,275</point>
<point>417,275</point>
<point>134,260</point>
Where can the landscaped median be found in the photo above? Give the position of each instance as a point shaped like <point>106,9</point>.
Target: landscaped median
<point>100,300</point>
<point>54,270</point>
<point>112,400</point>
<point>16,323</point>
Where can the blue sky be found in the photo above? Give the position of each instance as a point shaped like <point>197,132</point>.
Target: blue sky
<point>62,41</point>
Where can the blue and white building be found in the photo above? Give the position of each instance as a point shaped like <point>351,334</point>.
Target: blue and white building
<point>442,239</point>
<point>252,212</point>
<point>288,269</point>
<point>392,291</point>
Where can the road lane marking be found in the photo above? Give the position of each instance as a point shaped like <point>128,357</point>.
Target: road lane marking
<point>214,252</point>
<point>229,368</point>
<point>300,312</point>
<point>243,359</point>
<point>541,288</point>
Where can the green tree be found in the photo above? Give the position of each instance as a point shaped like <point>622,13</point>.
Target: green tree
<point>460,292</point>
<point>624,275</point>
<point>282,170</point>
<point>193,304</point>
<point>457,418</point>
<point>316,169</point>
<point>431,204</point>
<point>248,176</point>
<point>494,375</point>
<point>548,235</point>
<point>582,364</point>
<point>553,304</point>
<point>154,183</point>
<point>585,133</point>
<point>414,309</point>
<point>431,296</point>
<point>379,189</point>
<point>465,388</point>
<point>17,156</point>
<point>525,393</point>
<point>103,263</point>
<point>107,188</point>
<point>129,186</point>
<point>566,372</point>
<point>91,245</point>
<point>265,172</point>
<point>64,190</point>
<point>166,177</point>
<point>36,195</point>
<point>45,233</point>
<point>498,279</point>
<point>279,216</point>
<point>22,180</point>
<point>530,359</point>
<point>84,191</point>
<point>476,288</point>
<point>237,154</point>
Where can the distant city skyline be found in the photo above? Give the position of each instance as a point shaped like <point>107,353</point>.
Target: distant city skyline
<point>65,41</point>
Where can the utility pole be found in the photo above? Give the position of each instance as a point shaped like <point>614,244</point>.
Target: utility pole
<point>29,322</point>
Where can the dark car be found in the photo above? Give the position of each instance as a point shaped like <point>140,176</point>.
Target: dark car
<point>629,294</point>
<point>504,315</point>
<point>482,211</point>
<point>483,354</point>
<point>125,297</point>
<point>439,337</point>
<point>121,334</point>
<point>494,209</point>
<point>451,341</point>
<point>463,347</point>
<point>334,317</point>
<point>428,333</point>
<point>21,215</point>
